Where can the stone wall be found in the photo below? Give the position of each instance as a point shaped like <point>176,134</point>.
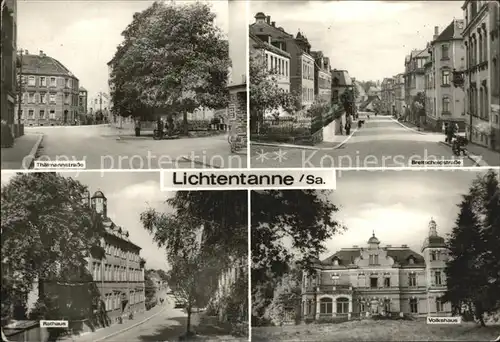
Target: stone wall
<point>237,113</point>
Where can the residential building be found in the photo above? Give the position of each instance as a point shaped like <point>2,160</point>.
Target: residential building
<point>495,73</point>
<point>50,92</point>
<point>415,84</point>
<point>301,61</point>
<point>481,122</point>
<point>387,96</point>
<point>322,77</point>
<point>119,276</point>
<point>430,91</point>
<point>374,91</point>
<point>100,103</point>
<point>341,81</point>
<point>447,52</point>
<point>82,101</point>
<point>362,96</point>
<point>277,60</point>
<point>399,93</point>
<point>8,51</point>
<point>362,282</point>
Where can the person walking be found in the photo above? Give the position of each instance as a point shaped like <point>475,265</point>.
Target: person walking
<point>348,125</point>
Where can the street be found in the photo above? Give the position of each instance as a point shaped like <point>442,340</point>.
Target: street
<point>381,142</point>
<point>104,147</point>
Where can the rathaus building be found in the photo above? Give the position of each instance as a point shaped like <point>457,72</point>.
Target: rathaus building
<point>360,282</point>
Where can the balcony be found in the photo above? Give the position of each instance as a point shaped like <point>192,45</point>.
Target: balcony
<point>337,289</point>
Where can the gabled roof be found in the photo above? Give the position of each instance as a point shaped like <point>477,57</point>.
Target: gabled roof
<point>113,230</point>
<point>260,44</point>
<point>44,65</point>
<point>449,33</point>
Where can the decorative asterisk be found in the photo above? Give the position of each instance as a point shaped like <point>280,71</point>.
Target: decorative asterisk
<point>280,155</point>
<point>262,156</point>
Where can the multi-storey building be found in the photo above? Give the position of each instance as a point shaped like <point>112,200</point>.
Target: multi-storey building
<point>447,52</point>
<point>276,59</point>
<point>430,91</point>
<point>119,276</point>
<point>495,73</point>
<point>387,96</point>
<point>82,101</point>
<point>50,92</point>
<point>478,85</point>
<point>414,83</point>
<point>301,61</point>
<point>8,51</point>
<point>361,282</point>
<point>341,81</point>
<point>322,77</point>
<point>399,93</point>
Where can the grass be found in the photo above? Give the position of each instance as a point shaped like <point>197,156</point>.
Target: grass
<point>377,331</point>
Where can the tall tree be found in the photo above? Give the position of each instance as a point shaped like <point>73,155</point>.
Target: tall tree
<point>48,229</point>
<point>173,59</point>
<point>265,93</point>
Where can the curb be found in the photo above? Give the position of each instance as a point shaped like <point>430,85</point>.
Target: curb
<point>302,147</point>
<point>408,128</point>
<point>478,160</point>
<point>128,328</point>
<point>32,156</point>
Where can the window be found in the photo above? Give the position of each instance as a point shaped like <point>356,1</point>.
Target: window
<point>445,77</point>
<point>31,98</point>
<point>43,98</point>
<point>373,282</point>
<point>31,113</point>
<point>53,82</point>
<point>434,254</point>
<point>66,98</point>
<point>437,277</point>
<point>373,259</point>
<point>445,51</point>
<point>31,81</point>
<point>342,305</point>
<point>439,305</point>
<point>413,305</point>
<point>326,306</point>
<point>52,98</point>
<point>387,282</point>
<point>42,114</point>
<point>446,108</point>
<point>412,279</point>
<point>52,114</point>
<point>43,81</point>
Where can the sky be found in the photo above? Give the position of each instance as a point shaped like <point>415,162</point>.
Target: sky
<point>83,35</point>
<point>128,195</point>
<point>369,39</point>
<point>396,205</point>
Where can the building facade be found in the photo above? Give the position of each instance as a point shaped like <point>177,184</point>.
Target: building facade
<point>387,96</point>
<point>362,282</point>
<point>447,52</point>
<point>478,86</point>
<point>322,77</point>
<point>50,92</point>
<point>301,61</point>
<point>119,276</point>
<point>414,83</point>
<point>8,63</point>
<point>430,91</point>
<point>399,93</point>
<point>495,73</point>
<point>100,103</point>
<point>82,101</point>
<point>341,81</point>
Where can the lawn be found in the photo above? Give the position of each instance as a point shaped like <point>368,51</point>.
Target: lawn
<point>377,331</point>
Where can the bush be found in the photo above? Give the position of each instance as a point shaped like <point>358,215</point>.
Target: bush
<point>200,125</point>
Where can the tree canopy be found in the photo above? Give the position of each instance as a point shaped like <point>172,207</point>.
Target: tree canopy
<point>473,271</point>
<point>173,59</point>
<point>48,228</point>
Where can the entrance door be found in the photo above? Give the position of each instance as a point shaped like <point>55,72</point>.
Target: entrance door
<point>374,307</point>
<point>65,116</point>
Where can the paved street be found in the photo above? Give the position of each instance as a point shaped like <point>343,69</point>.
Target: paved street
<point>104,147</point>
<point>381,142</point>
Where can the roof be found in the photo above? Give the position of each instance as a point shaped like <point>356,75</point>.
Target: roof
<point>342,76</point>
<point>369,100</point>
<point>44,65</point>
<point>260,44</point>
<point>82,89</point>
<point>449,33</point>
<point>112,229</point>
<point>98,194</point>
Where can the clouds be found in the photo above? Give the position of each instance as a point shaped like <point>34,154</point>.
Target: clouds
<point>369,39</point>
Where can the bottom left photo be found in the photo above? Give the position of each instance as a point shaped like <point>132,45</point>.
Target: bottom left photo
<point>108,256</point>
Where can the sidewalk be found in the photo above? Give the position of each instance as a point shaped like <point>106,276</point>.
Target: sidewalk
<point>24,146</point>
<point>480,155</point>
<point>116,328</point>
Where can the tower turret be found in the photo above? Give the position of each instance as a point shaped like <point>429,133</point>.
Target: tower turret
<point>99,203</point>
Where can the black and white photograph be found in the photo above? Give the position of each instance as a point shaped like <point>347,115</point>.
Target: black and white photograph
<point>355,84</point>
<point>112,258</point>
<point>124,84</point>
<point>387,256</point>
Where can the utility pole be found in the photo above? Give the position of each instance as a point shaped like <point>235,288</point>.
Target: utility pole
<point>20,87</point>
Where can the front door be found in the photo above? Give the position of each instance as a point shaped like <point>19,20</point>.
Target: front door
<point>374,307</point>
<point>65,116</point>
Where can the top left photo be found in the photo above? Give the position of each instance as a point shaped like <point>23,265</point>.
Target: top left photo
<point>106,85</point>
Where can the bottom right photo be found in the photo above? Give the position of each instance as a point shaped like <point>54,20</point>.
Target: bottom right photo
<point>388,256</point>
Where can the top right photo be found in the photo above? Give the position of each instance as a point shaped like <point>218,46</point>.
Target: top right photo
<point>362,84</point>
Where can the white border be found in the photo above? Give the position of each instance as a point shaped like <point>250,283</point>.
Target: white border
<point>249,238</point>
<point>247,22</point>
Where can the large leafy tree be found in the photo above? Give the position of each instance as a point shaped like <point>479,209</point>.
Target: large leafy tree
<point>265,94</point>
<point>48,229</point>
<point>173,59</point>
<point>473,272</point>
<point>288,227</point>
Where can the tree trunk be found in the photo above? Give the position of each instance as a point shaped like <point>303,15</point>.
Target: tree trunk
<point>188,324</point>
<point>185,128</point>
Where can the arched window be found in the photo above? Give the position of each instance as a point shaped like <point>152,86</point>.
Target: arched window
<point>481,101</point>
<point>326,306</point>
<point>485,105</point>
<point>496,73</point>
<point>446,104</point>
<point>342,305</point>
<point>445,51</point>
<point>480,59</point>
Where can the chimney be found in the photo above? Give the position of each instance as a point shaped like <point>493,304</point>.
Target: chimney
<point>42,54</point>
<point>273,23</point>
<point>436,32</point>
<point>268,19</point>
<point>404,246</point>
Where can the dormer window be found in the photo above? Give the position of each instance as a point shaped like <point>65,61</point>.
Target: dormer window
<point>411,260</point>
<point>335,262</point>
